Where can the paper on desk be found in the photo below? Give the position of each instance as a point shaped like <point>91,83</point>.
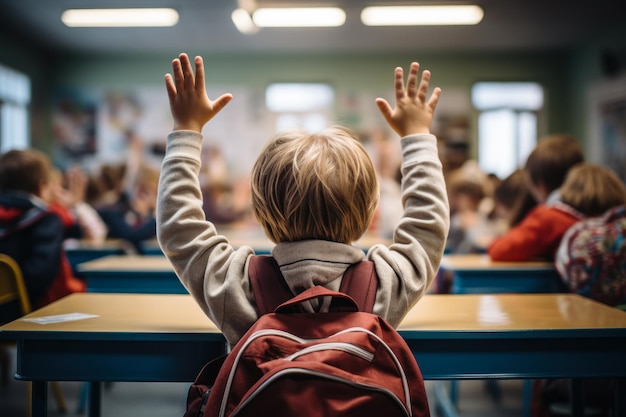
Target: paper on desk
<point>60,318</point>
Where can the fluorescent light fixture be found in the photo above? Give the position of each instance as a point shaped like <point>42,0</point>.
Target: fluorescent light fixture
<point>298,97</point>
<point>119,17</point>
<point>421,15</point>
<point>299,17</point>
<point>243,21</point>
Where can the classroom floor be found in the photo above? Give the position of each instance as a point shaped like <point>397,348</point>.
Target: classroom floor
<point>125,399</point>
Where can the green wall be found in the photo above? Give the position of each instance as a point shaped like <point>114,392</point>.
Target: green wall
<point>565,75</point>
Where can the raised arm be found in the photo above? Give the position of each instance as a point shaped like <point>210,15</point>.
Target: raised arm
<point>190,106</point>
<point>407,267</point>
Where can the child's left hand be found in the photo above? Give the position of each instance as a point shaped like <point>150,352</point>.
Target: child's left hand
<point>190,106</point>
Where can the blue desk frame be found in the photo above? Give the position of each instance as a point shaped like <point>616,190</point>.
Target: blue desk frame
<point>476,274</point>
<point>127,279</point>
<point>135,282</point>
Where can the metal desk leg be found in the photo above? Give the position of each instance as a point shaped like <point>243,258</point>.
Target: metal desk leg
<point>39,398</point>
<point>528,397</point>
<point>620,397</point>
<point>578,397</point>
<point>95,398</point>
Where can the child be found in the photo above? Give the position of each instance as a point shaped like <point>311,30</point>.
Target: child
<point>538,235</point>
<point>314,194</point>
<point>29,232</point>
<point>466,221</point>
<point>592,256</point>
<point>80,220</point>
<point>131,217</point>
<point>512,200</point>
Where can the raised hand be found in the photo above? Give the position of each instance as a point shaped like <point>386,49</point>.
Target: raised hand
<point>189,103</point>
<point>413,112</point>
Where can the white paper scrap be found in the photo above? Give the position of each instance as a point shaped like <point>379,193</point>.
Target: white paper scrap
<point>60,318</point>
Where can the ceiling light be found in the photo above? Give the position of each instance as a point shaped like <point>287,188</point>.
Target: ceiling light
<point>299,17</point>
<point>421,15</point>
<point>119,17</point>
<point>243,21</point>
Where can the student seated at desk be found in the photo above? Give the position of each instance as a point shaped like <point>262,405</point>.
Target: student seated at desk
<point>314,195</point>
<point>591,260</point>
<point>29,232</point>
<point>466,221</point>
<point>538,235</point>
<point>592,256</point>
<point>131,216</point>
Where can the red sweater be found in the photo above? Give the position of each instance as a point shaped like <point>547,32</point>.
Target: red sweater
<point>537,236</point>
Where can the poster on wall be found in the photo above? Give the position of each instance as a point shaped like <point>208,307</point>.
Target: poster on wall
<point>607,127</point>
<point>74,123</point>
<point>96,126</point>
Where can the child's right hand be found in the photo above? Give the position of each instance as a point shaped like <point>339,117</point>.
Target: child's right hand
<point>190,106</point>
<point>413,113</point>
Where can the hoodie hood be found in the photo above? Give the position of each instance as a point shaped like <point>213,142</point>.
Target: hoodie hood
<point>18,211</point>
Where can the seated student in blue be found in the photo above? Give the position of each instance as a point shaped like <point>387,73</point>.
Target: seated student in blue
<point>314,195</point>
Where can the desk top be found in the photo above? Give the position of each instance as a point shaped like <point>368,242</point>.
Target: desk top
<point>473,262</point>
<point>120,314</point>
<point>511,312</point>
<point>179,314</point>
<point>128,263</point>
<point>90,245</point>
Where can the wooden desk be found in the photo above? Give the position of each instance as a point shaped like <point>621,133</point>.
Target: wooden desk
<point>478,274</point>
<point>79,251</point>
<point>131,274</point>
<point>157,337</point>
<point>136,337</point>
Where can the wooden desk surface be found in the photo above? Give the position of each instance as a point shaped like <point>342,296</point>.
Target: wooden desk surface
<point>483,262</point>
<point>139,263</point>
<point>502,312</point>
<point>121,313</point>
<point>85,244</point>
<point>167,313</point>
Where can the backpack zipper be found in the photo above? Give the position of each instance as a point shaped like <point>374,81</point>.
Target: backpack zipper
<point>407,412</point>
<point>342,346</point>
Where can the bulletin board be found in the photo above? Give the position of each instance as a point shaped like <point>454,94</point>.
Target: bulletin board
<point>607,125</point>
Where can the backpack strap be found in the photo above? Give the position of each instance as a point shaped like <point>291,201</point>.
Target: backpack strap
<point>361,282</point>
<point>270,289</point>
<point>267,283</point>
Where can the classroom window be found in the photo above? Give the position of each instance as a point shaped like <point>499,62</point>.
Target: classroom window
<point>507,123</point>
<point>300,105</point>
<point>14,101</point>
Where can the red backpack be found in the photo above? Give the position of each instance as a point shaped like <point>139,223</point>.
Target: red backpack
<point>346,362</point>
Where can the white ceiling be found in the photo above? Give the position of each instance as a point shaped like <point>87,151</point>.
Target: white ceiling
<point>205,25</point>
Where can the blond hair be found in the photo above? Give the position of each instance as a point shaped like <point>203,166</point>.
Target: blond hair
<point>593,189</point>
<point>314,186</point>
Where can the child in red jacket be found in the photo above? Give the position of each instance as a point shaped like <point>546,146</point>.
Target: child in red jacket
<point>538,235</point>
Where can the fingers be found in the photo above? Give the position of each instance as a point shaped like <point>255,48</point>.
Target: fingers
<point>182,77</point>
<point>411,88</point>
<point>423,89</point>
<point>199,73</point>
<point>170,87</point>
<point>384,108</point>
<point>187,71</point>
<point>434,98</point>
<point>399,83</point>
<point>221,102</point>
